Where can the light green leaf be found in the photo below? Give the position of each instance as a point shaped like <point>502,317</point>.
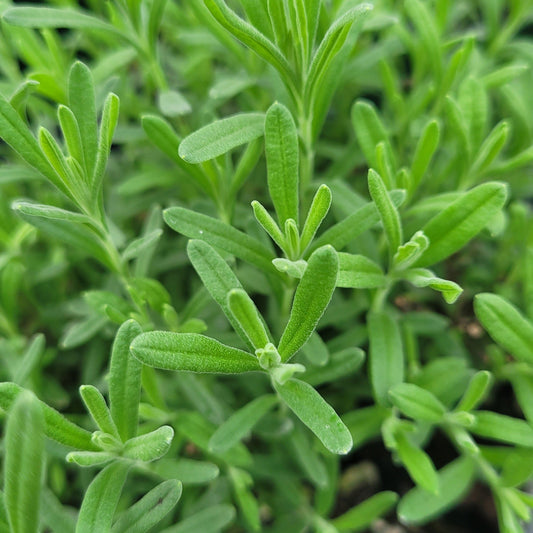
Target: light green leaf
<point>57,427</point>
<point>506,325</point>
<point>421,277</point>
<point>97,407</point>
<point>240,423</point>
<point>50,17</point>
<point>173,103</point>
<point>316,414</point>
<point>24,463</point>
<point>191,352</point>
<point>359,272</point>
<point>308,458</point>
<point>138,246</point>
<point>188,471</point>
<point>476,392</point>
<point>385,353</point>
<point>269,224</point>
<point>247,503</point>
<point>71,134</point>
<point>246,314</point>
<point>359,518</point>
<point>150,446</point>
<point>221,136</point>
<point>417,463</point>
<point>252,39</point>
<point>408,253</point>
<point>81,98</point>
<point>490,148</point>
<point>211,520</point>
<point>316,214</point>
<point>125,381</point>
<point>282,155</point>
<point>150,509</point>
<point>101,499</point>
<point>340,365</point>
<point>89,459</point>
<point>216,233</point>
<point>315,350</point>
<point>310,300</point>
<point>218,279</point>
<point>425,149</point>
<point>387,211</point>
<point>294,269</point>
<point>419,506</point>
<point>453,227</point>
<point>417,403</point>
<point>502,428</point>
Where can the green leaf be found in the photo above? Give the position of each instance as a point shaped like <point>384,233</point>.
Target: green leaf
<point>105,138</point>
<point>188,471</point>
<point>282,155</point>
<point>211,520</point>
<point>387,211</point>
<point>138,246</point>
<point>246,314</point>
<point>101,499</point>
<point>517,467</point>
<point>310,300</point>
<point>370,131</point>
<point>50,17</point>
<point>57,427</point>
<point>315,350</point>
<point>308,458</point>
<point>71,134</point>
<point>419,506</point>
<point>365,423</point>
<point>24,463</point>
<point>89,459</point>
<point>150,446</point>
<point>316,214</point>
<point>490,148</point>
<point>477,390</point>
<point>97,407</point>
<point>359,518</point>
<point>81,98</point>
<point>421,277</point>
<point>216,233</point>
<point>359,272</point>
<point>502,428</point>
<point>354,225</point>
<point>150,509</point>
<point>294,269</point>
<point>506,325</point>
<point>340,364</point>
<point>242,482</point>
<point>417,463</point>
<point>125,381</point>
<point>316,414</point>
<point>240,423</point>
<point>173,103</point>
<point>425,149</point>
<point>221,136</point>
<point>417,403</point>
<point>408,253</point>
<point>453,227</point>
<point>252,39</point>
<point>385,353</point>
<point>330,46</point>
<point>269,224</point>
<point>191,352</point>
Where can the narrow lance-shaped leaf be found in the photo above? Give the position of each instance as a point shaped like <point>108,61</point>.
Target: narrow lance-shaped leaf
<point>240,423</point>
<point>211,520</point>
<point>359,272</point>
<point>221,136</point>
<point>248,505</point>
<point>125,381</point>
<point>503,428</point>
<point>150,446</point>
<point>191,352</point>
<point>359,518</point>
<point>478,388</point>
<point>316,414</point>
<point>453,227</point>
<point>506,325</point>
<point>97,407</point>
<point>417,403</point>
<point>57,427</point>
<point>282,155</point>
<point>386,354</point>
<point>425,149</point>
<point>245,312</point>
<point>216,233</point>
<point>387,211</point>
<point>269,224</point>
<point>421,277</point>
<point>101,499</point>
<point>150,509</point>
<point>81,98</point>
<point>419,506</point>
<point>218,279</point>
<point>71,134</point>
<point>310,300</point>
<point>24,463</point>
<point>317,212</point>
<point>417,463</point>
